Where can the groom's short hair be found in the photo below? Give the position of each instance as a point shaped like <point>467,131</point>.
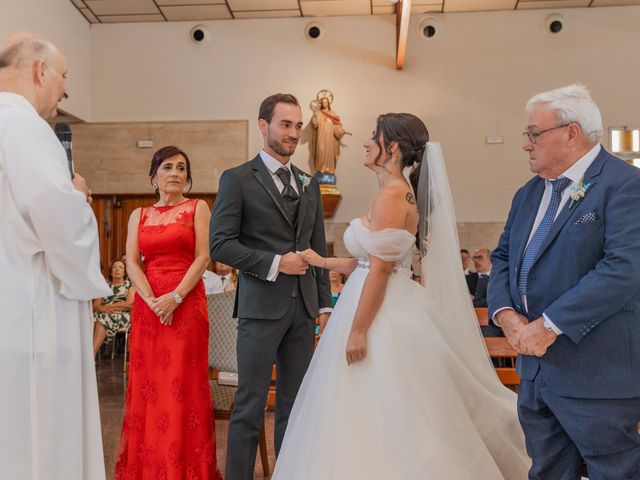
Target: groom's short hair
<point>268,105</point>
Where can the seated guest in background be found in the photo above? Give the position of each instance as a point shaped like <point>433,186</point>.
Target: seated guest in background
<point>211,282</point>
<point>224,279</point>
<point>470,277</point>
<point>337,284</point>
<point>112,314</point>
<point>482,262</point>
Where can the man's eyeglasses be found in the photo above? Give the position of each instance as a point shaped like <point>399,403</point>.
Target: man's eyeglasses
<point>533,136</point>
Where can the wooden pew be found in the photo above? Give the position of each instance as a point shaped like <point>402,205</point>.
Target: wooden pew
<point>499,347</point>
<point>482,313</point>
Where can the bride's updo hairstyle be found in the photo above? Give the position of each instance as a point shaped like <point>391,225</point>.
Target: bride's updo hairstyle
<point>410,133</point>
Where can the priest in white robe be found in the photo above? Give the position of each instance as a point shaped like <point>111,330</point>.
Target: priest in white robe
<point>49,270</point>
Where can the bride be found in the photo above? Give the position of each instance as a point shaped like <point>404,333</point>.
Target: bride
<point>401,385</point>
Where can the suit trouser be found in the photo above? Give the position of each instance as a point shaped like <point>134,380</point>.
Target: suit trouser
<point>560,432</point>
<point>288,341</point>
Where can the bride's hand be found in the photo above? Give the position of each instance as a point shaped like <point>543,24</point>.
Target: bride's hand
<point>312,258</point>
<point>356,347</point>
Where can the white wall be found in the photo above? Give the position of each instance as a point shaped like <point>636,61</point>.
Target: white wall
<point>472,80</point>
<point>61,23</point>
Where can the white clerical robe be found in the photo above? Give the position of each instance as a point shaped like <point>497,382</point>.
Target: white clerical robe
<point>49,270</point>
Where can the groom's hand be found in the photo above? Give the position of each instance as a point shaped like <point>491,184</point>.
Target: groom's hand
<point>535,338</point>
<point>292,264</point>
<point>512,324</point>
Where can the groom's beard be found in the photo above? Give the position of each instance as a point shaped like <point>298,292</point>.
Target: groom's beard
<point>284,148</point>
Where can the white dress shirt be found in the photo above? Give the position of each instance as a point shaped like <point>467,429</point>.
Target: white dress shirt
<point>575,173</point>
<point>214,283</point>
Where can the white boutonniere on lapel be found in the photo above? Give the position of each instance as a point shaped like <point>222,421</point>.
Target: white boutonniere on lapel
<point>577,191</point>
<point>304,180</point>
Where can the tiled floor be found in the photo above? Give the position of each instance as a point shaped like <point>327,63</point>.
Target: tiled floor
<point>111,388</point>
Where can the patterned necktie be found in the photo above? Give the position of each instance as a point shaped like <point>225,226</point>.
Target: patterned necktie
<point>289,195</point>
<point>541,233</point>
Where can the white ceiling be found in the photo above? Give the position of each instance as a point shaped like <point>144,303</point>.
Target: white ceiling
<point>128,11</point>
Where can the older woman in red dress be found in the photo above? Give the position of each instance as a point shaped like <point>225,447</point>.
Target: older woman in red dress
<point>168,428</point>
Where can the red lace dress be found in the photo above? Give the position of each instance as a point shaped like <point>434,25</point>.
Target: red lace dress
<point>168,428</point>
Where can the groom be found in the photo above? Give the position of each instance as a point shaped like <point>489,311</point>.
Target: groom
<point>265,211</point>
<point>565,288</point>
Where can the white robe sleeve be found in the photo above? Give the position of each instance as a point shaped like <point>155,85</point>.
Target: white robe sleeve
<point>63,222</point>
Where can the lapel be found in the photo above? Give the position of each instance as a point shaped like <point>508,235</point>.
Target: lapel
<point>262,174</point>
<point>305,197</point>
<point>530,211</point>
<point>590,176</point>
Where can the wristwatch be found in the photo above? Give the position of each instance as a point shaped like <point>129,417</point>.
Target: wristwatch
<point>177,297</point>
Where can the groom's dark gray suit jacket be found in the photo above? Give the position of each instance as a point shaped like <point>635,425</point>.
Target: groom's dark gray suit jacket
<point>586,278</point>
<point>249,227</point>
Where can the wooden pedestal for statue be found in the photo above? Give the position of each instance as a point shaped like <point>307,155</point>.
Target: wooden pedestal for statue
<point>330,202</point>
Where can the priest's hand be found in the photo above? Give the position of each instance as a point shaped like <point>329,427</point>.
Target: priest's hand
<point>80,184</point>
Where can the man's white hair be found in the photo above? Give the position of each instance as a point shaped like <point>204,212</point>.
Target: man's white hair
<point>21,48</point>
<point>572,104</point>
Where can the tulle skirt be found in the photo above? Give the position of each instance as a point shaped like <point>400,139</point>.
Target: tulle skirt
<point>410,410</point>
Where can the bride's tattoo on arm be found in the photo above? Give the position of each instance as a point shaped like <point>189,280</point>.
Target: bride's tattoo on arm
<point>410,198</point>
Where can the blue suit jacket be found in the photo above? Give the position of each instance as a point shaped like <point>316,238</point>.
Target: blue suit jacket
<point>586,279</point>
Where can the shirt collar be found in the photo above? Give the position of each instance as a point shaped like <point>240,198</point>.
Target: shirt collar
<point>576,171</point>
<point>272,164</point>
<point>16,100</point>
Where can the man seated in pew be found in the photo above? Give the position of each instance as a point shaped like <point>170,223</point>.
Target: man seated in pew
<point>482,262</point>
<point>470,277</point>
<point>224,279</point>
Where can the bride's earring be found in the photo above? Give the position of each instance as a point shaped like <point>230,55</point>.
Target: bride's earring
<point>155,186</point>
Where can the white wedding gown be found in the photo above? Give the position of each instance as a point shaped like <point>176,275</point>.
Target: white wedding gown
<point>411,409</point>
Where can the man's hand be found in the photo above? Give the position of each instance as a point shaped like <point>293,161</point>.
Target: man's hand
<point>292,264</point>
<point>80,184</point>
<point>535,338</point>
<point>323,319</point>
<point>512,324</point>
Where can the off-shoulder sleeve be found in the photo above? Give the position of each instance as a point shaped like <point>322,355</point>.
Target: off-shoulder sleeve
<point>390,244</point>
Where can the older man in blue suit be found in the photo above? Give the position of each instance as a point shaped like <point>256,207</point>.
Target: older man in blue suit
<point>565,288</point>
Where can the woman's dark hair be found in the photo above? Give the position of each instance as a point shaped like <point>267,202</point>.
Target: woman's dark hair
<point>268,105</point>
<point>163,154</point>
<point>111,268</point>
<point>410,133</point>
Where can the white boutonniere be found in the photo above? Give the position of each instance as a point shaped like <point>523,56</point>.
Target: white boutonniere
<point>577,192</point>
<point>304,180</point>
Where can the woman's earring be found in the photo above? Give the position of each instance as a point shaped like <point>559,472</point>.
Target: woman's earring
<point>155,186</point>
